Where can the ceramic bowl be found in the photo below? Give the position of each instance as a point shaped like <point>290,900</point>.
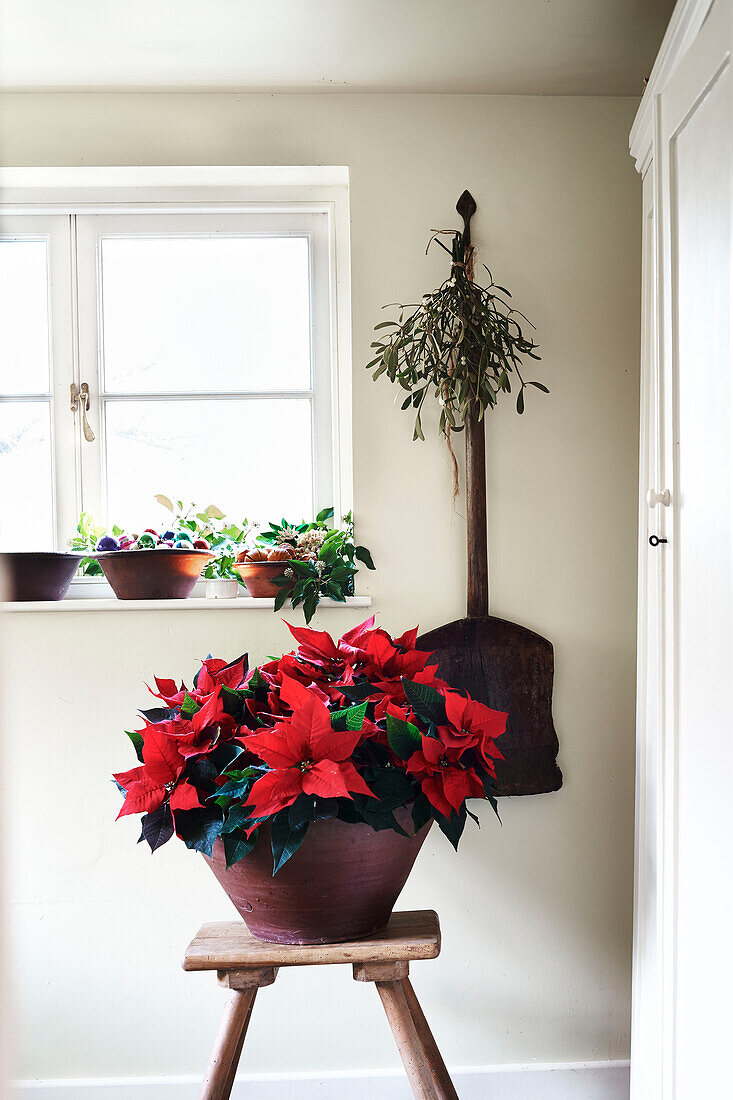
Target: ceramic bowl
<point>153,574</point>
<point>36,575</point>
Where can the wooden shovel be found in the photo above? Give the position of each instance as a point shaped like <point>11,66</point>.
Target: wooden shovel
<point>504,665</point>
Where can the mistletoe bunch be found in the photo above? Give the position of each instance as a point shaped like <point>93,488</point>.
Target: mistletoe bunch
<point>354,729</point>
<point>463,343</point>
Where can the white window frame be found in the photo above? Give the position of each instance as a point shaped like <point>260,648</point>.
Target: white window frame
<point>54,229</point>
<point>318,197</point>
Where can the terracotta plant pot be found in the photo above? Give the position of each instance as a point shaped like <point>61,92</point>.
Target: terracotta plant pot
<point>36,575</point>
<point>153,574</point>
<point>341,884</point>
<point>258,576</point>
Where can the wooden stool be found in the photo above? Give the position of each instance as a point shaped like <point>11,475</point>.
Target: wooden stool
<point>245,964</point>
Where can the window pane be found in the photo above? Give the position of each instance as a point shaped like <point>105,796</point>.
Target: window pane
<point>23,317</point>
<point>250,457</point>
<point>206,313</point>
<point>26,486</point>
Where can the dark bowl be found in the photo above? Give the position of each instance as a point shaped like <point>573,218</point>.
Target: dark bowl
<point>153,574</point>
<point>36,575</point>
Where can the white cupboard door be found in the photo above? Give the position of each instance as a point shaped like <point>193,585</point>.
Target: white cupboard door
<point>695,142</point>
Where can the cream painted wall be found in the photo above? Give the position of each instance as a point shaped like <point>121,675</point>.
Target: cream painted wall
<point>537,914</point>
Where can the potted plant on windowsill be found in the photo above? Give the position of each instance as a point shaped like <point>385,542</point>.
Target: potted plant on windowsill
<point>310,783</point>
<point>219,584</point>
<point>317,560</point>
<point>223,538</point>
<point>222,580</point>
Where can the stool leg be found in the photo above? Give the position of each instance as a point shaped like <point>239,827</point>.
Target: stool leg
<point>446,1091</point>
<point>222,1067</point>
<point>421,1058</point>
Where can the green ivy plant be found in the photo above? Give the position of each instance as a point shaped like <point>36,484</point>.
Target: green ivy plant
<point>88,534</point>
<point>463,343</point>
<point>325,562</point>
<point>225,539</point>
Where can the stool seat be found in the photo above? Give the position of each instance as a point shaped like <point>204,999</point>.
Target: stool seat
<point>229,945</point>
<point>245,964</point>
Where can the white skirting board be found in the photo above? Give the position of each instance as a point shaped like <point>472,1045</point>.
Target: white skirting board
<point>563,1081</point>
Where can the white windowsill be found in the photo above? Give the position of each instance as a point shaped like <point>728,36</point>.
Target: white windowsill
<point>193,603</point>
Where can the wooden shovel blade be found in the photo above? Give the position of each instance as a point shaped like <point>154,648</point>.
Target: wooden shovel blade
<point>510,668</point>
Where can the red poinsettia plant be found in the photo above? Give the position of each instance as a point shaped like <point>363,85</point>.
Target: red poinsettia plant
<point>355,729</point>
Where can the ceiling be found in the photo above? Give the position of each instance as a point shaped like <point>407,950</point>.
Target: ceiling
<point>528,47</point>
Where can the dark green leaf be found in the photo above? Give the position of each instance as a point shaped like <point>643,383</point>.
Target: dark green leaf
<point>235,789</point>
<point>236,817</point>
<point>335,592</point>
<point>199,828</point>
<point>310,603</point>
<point>453,826</point>
<point>159,714</point>
<point>202,773</point>
<point>422,812</point>
<point>392,786</point>
<point>490,793</point>
<point>285,839</point>
<point>426,702</point>
<point>404,737</point>
<point>225,753</point>
<point>232,701</point>
<point>236,846</point>
<point>363,555</point>
<point>375,815</point>
<point>282,597</point>
<point>157,826</point>
<point>358,691</point>
<point>473,817</point>
<point>137,743</point>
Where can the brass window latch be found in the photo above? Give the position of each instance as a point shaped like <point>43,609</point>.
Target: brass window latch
<point>80,399</point>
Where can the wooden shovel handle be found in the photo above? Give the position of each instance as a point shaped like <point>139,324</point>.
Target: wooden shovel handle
<point>477,596</point>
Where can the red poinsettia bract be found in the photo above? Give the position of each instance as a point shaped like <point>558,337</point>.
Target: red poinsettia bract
<point>158,778</point>
<point>306,756</point>
<point>445,781</point>
<point>473,725</point>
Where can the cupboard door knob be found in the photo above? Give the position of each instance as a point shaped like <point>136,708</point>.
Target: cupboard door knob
<point>653,498</point>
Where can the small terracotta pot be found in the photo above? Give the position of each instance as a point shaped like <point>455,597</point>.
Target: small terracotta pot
<point>341,884</point>
<point>153,574</point>
<point>258,576</point>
